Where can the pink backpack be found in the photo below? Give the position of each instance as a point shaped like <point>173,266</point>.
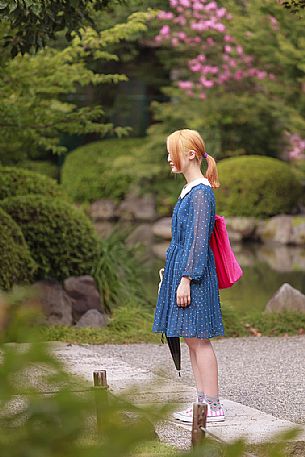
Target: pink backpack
<point>227,268</point>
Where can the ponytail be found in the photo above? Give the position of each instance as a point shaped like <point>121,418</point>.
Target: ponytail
<point>212,173</point>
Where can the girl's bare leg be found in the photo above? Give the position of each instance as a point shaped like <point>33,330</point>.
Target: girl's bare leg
<point>204,365</point>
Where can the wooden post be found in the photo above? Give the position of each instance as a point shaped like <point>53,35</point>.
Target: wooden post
<point>200,411</point>
<point>99,381</point>
<point>100,378</point>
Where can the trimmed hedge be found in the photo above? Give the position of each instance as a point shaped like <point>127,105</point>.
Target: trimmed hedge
<point>61,238</point>
<point>103,169</point>
<point>17,181</point>
<point>256,186</point>
<point>17,265</point>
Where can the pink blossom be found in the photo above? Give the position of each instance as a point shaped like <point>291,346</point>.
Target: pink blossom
<point>227,48</point>
<point>206,82</point>
<point>239,50</point>
<point>180,20</point>
<point>228,38</point>
<point>197,6</point>
<point>195,66</point>
<point>210,41</point>
<point>261,74</point>
<point>164,15</point>
<point>274,23</point>
<point>202,96</point>
<point>185,3</point>
<point>173,3</point>
<point>211,6</point>
<point>238,75</point>
<point>221,12</point>
<point>201,57</point>
<point>164,30</point>
<point>185,85</point>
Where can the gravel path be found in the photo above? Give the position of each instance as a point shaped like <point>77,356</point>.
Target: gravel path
<point>267,373</point>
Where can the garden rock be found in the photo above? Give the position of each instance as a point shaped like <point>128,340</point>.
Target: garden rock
<point>240,228</point>
<point>278,229</point>
<point>286,298</point>
<point>162,228</point>
<point>102,209</point>
<point>56,304</point>
<point>84,295</point>
<point>136,207</point>
<point>92,318</point>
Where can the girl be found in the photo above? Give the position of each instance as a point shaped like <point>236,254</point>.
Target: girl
<point>188,302</point>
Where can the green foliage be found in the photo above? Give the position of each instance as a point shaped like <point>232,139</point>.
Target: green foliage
<point>105,169</point>
<point>41,95</point>
<point>43,167</point>
<point>119,272</point>
<point>16,181</point>
<point>16,266</point>
<point>61,238</point>
<point>33,23</point>
<point>256,186</point>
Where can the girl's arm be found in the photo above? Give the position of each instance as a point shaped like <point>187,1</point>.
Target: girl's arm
<point>196,243</point>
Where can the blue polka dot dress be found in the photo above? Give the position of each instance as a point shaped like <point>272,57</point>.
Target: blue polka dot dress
<point>189,254</point>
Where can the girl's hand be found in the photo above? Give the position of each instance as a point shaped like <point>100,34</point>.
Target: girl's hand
<point>184,292</point>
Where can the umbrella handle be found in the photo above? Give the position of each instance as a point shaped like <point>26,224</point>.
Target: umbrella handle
<point>161,271</point>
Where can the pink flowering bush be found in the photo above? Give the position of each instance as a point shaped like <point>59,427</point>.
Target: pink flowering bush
<point>200,27</point>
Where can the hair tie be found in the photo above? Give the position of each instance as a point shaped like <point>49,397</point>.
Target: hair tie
<point>205,155</point>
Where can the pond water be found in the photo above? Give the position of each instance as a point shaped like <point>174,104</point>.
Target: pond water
<point>265,267</point>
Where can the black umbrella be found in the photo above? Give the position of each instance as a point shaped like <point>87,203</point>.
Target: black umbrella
<point>174,347</point>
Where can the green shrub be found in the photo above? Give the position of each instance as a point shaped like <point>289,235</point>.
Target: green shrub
<point>61,238</point>
<point>16,266</point>
<point>104,169</point>
<point>17,181</point>
<point>43,167</point>
<point>256,186</point>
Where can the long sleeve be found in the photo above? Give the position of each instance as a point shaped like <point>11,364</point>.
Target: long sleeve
<point>196,242</point>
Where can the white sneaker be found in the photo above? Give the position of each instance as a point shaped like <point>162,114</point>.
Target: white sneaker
<point>212,416</point>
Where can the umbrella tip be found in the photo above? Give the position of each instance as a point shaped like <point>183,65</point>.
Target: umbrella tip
<point>179,373</point>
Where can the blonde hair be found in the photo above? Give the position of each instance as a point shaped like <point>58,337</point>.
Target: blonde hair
<point>184,140</point>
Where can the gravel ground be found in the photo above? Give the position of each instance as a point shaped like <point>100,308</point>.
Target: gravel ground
<point>267,373</point>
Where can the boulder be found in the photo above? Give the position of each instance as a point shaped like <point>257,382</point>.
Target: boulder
<point>240,228</point>
<point>163,228</point>
<point>136,207</point>
<point>277,229</point>
<point>92,318</point>
<point>286,298</point>
<point>104,228</point>
<point>298,230</point>
<point>84,295</point>
<point>102,209</point>
<point>56,304</point>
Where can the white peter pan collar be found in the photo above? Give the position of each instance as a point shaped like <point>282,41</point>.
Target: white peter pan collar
<point>193,183</point>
